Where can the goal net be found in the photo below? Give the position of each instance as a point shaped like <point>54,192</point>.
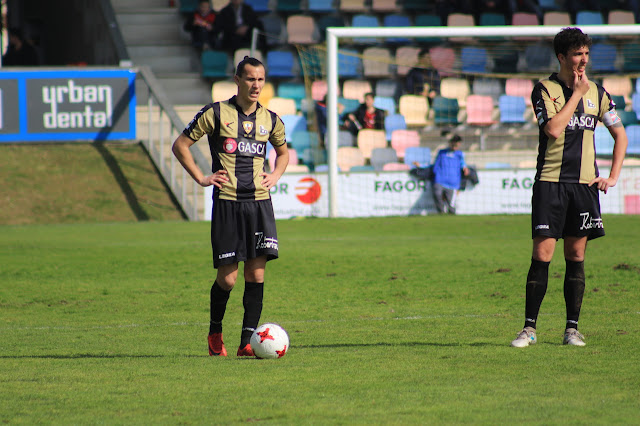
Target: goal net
<point>486,75</point>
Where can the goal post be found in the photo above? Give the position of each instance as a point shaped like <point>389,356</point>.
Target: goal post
<point>335,34</point>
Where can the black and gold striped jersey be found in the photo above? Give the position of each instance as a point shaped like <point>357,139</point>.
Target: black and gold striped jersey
<point>570,158</point>
<point>238,144</point>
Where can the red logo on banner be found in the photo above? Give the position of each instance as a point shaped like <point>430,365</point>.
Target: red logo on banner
<point>309,190</point>
<point>229,145</point>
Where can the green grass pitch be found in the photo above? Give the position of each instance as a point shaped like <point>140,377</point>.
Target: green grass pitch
<point>391,321</point>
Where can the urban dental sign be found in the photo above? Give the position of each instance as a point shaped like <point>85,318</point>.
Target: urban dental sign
<point>69,105</point>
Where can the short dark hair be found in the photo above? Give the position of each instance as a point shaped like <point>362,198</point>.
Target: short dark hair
<point>248,60</point>
<point>570,38</point>
<point>369,94</point>
<point>455,139</point>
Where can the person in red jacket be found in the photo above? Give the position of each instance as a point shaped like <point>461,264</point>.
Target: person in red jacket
<point>201,25</point>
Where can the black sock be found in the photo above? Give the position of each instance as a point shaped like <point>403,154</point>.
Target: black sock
<point>574,283</point>
<point>218,305</point>
<point>537,279</point>
<point>252,301</point>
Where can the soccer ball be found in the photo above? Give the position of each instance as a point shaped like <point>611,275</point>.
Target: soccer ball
<point>269,341</point>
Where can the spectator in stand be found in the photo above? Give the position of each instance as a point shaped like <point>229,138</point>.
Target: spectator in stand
<point>444,8</point>
<point>528,6</point>
<point>448,169</point>
<point>20,52</point>
<point>237,21</point>
<point>423,79</point>
<point>366,116</point>
<point>501,7</point>
<point>321,117</point>
<point>575,6</point>
<point>201,25</point>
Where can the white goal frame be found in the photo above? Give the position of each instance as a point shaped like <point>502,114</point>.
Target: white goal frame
<point>335,33</point>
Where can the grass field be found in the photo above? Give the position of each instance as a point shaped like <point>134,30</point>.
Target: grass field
<point>392,321</point>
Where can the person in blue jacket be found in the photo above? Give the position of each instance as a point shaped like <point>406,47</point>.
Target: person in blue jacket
<point>448,169</point>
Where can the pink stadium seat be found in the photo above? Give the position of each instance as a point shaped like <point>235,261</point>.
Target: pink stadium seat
<point>402,139</point>
<point>395,167</point>
<point>480,110</point>
<point>460,20</point>
<point>380,6</point>
<point>293,158</point>
<point>443,59</point>
<point>349,156</point>
<point>562,19</point>
<point>519,87</point>
<point>524,18</point>
<point>406,58</point>
<point>301,29</point>
<point>319,90</point>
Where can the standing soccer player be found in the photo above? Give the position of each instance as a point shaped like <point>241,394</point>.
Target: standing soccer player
<point>565,202</point>
<point>243,227</point>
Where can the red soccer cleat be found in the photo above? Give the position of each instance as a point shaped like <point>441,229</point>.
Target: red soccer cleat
<point>216,346</point>
<point>245,350</point>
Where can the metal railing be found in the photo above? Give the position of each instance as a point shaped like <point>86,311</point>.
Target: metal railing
<point>161,132</point>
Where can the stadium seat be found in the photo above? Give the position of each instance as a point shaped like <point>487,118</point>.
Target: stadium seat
<point>402,139</point>
<point>394,122</point>
<point>268,92</point>
<point>445,110</point>
<point>258,6</point>
<point>361,20</point>
<point>474,60</point>
<point>382,156</point>
<point>633,134</point>
<point>289,6</point>
<point>239,55</point>
<point>350,105</point>
<point>406,58</point>
<point>497,165</point>
<point>635,104</point>
<point>519,87</point>
<point>356,89</point>
<point>275,29</point>
<point>426,20</point>
<point>348,157</point>
<point>383,6</point>
<point>460,20</point>
<point>458,88</point>
<point>602,57</point>
<point>505,61</point>
<point>512,109</point>
<point>603,141</point>
<point>538,57</point>
<point>301,140</point>
<point>417,154</point>
<point>293,124</point>
<point>480,110</point>
<point>396,20</point>
<point>618,85</point>
<point>321,168</point>
<point>376,62</point>
<point>417,5</point>
<point>548,4</point>
<point>223,90</point>
<point>369,139</point>
<point>627,117</point>
<point>271,158</point>
<point>443,59</point>
<point>188,6</point>
<point>562,19</point>
<point>492,19</point>
<point>319,90</point>
<point>621,17</point>
<point>519,19</point>
<point>301,29</point>
<point>215,64</point>
<point>280,64</point>
<point>320,6</point>
<point>386,103</point>
<point>292,90</point>
<point>620,101</point>
<point>346,138</point>
<point>327,21</point>
<point>589,17</point>
<point>489,87</point>
<point>363,168</point>
<point>631,57</point>
<point>395,167</point>
<point>415,109</point>
<point>387,87</point>
<point>349,64</point>
<point>353,6</point>
<point>282,106</point>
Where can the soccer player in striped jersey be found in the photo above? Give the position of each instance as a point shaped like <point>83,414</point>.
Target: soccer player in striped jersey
<point>565,202</point>
<point>243,227</point>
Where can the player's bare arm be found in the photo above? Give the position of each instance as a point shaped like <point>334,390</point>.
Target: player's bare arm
<point>181,150</point>
<point>619,150</point>
<point>282,160</point>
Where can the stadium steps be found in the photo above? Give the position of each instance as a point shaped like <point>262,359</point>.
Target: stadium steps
<point>154,37</point>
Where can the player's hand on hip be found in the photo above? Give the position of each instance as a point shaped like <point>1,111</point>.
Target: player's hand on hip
<point>217,179</point>
<point>268,180</point>
<point>603,184</point>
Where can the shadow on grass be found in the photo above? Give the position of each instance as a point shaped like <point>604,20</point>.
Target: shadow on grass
<point>97,356</point>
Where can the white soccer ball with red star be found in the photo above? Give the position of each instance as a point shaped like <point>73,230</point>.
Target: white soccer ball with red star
<point>270,341</point>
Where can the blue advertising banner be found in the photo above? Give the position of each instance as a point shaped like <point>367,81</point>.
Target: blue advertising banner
<point>67,105</point>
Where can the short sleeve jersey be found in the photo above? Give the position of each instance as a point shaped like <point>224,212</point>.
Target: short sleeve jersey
<point>238,144</point>
<point>570,158</point>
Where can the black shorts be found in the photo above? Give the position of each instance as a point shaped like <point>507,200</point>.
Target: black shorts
<point>242,230</point>
<point>561,210</point>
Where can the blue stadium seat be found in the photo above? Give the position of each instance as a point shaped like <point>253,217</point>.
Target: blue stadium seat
<point>320,6</point>
<point>382,156</point>
<point>396,20</point>
<point>258,6</point>
<point>603,57</point>
<point>394,122</point>
<point>349,64</point>
<point>474,59</point>
<point>215,64</point>
<point>603,142</point>
<point>497,165</point>
<point>417,154</point>
<point>538,57</point>
<point>280,64</point>
<point>293,124</point>
<point>633,133</point>
<point>361,20</point>
<point>386,103</point>
<point>512,109</point>
<point>291,90</point>
<point>388,88</point>
<point>589,17</point>
<point>635,104</point>
<point>445,110</point>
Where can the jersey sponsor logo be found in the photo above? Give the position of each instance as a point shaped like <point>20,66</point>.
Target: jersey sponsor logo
<point>582,122</point>
<point>252,148</point>
<point>229,124</point>
<point>226,255</point>
<point>542,227</point>
<point>590,104</point>
<point>589,222</point>
<point>263,131</point>
<point>308,190</point>
<point>265,242</point>
<point>247,126</point>
<point>555,100</point>
<point>229,145</point>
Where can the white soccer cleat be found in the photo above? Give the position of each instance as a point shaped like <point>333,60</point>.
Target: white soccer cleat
<point>525,338</point>
<point>573,337</point>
